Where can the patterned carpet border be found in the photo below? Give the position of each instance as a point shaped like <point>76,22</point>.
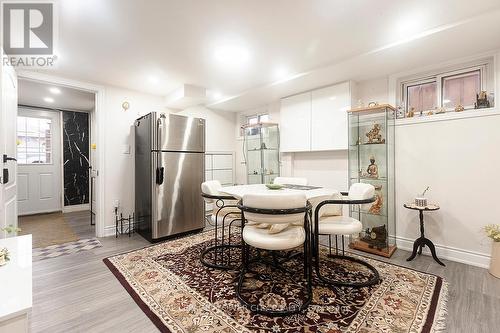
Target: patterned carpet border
<point>434,321</point>
<point>54,251</point>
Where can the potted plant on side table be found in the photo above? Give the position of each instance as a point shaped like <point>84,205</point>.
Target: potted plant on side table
<point>493,232</point>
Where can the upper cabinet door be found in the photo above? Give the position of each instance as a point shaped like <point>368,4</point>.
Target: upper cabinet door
<point>295,123</point>
<point>329,117</point>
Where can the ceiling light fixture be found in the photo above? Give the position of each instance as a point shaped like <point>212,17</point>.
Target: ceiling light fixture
<point>231,55</point>
<point>280,72</point>
<point>216,95</point>
<point>48,99</point>
<point>55,90</point>
<point>154,80</point>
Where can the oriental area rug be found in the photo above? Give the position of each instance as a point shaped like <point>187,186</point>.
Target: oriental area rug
<point>179,294</point>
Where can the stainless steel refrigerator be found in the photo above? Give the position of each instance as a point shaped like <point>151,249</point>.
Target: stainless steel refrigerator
<point>169,170</point>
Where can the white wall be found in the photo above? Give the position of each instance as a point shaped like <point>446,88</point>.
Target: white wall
<point>219,127</point>
<point>119,134</point>
<point>457,158</point>
<point>450,156</point>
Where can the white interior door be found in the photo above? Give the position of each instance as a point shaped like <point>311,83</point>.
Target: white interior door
<point>39,161</point>
<point>8,115</point>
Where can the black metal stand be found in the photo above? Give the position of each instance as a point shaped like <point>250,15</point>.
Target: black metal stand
<point>221,250</point>
<point>276,263</point>
<point>124,225</point>
<point>373,280</point>
<point>422,241</point>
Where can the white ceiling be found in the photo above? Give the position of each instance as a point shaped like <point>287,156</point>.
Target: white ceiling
<point>158,45</point>
<point>33,93</point>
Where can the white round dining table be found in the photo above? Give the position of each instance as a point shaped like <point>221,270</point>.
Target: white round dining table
<point>239,191</point>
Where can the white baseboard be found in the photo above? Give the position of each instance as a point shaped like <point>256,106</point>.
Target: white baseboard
<point>76,208</point>
<point>450,253</point>
<point>109,230</point>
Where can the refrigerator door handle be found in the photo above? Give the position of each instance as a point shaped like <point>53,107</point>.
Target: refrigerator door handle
<point>160,175</point>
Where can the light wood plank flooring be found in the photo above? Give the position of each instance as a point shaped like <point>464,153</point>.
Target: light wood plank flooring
<point>77,293</point>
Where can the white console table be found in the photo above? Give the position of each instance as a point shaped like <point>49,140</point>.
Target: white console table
<point>16,285</point>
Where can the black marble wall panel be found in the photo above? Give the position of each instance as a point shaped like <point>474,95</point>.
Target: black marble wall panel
<point>76,157</point>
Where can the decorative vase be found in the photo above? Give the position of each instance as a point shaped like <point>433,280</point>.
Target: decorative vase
<point>495,260</point>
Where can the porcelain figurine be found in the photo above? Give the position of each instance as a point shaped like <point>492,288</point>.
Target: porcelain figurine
<point>440,110</point>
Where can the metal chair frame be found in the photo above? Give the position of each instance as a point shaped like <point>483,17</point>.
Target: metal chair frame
<point>219,249</point>
<point>376,277</point>
<point>275,262</point>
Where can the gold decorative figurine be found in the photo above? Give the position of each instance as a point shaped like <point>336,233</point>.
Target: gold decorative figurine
<point>372,170</point>
<point>459,108</point>
<point>374,135</point>
<point>377,205</point>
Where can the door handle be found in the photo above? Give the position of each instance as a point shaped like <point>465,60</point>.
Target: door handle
<point>7,158</point>
<point>160,175</point>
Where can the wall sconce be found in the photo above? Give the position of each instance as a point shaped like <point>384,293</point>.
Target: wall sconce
<point>125,105</point>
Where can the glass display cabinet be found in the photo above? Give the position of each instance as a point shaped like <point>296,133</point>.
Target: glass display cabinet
<point>262,152</point>
<point>371,160</point>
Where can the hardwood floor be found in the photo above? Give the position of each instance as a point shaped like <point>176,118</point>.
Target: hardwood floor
<point>77,293</point>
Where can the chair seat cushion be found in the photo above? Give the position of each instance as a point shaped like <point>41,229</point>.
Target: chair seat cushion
<point>339,225</point>
<point>289,238</point>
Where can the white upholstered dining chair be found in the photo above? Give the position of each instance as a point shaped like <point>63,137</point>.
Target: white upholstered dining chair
<point>290,181</point>
<point>326,223</point>
<point>291,209</point>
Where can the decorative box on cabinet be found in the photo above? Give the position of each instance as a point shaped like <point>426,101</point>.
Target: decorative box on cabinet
<point>262,152</point>
<point>371,160</point>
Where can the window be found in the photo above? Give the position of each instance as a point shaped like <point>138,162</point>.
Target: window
<point>422,97</point>
<point>262,118</point>
<point>461,89</point>
<point>447,89</point>
<point>34,140</point>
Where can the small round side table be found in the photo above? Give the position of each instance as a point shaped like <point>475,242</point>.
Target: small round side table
<point>422,241</point>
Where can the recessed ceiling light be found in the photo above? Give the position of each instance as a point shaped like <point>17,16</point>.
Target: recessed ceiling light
<point>333,98</point>
<point>231,55</point>
<point>280,72</point>
<point>407,26</point>
<point>55,90</point>
<point>48,99</point>
<point>216,95</point>
<point>154,80</point>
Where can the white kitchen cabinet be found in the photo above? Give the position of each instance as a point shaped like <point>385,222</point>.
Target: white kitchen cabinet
<point>329,117</point>
<point>315,120</point>
<point>295,123</point>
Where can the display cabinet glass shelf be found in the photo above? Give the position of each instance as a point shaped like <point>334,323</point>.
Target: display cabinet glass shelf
<point>262,152</point>
<point>371,160</point>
